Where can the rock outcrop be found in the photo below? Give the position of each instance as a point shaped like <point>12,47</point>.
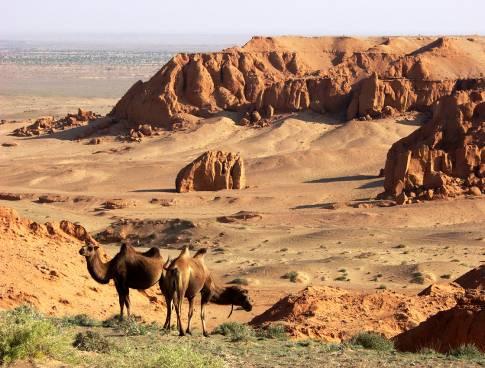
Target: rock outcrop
<point>202,84</point>
<point>49,125</point>
<point>335,314</point>
<point>446,156</point>
<point>374,77</point>
<point>213,170</point>
<point>461,325</point>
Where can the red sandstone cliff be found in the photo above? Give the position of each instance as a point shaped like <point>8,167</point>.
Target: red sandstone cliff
<point>355,76</point>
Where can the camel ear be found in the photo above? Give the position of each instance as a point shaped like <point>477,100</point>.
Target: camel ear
<point>96,247</point>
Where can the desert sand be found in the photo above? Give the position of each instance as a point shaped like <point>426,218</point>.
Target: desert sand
<point>312,180</point>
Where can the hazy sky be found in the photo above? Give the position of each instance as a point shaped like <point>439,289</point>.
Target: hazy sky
<point>337,17</point>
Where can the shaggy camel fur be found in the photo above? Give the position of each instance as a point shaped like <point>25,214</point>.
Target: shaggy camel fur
<point>187,276</point>
<point>128,268</point>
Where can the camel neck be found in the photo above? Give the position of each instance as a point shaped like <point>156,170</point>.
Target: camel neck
<point>98,270</point>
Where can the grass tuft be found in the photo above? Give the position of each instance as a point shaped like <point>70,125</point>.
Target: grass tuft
<point>91,341</point>
<point>273,331</point>
<point>133,326</point>
<point>292,276</point>
<point>235,331</point>
<point>81,320</point>
<point>468,351</point>
<point>372,341</point>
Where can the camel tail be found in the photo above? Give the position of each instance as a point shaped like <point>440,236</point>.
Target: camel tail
<point>200,253</point>
<point>174,279</point>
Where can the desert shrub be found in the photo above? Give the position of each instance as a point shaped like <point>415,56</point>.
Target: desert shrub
<point>446,276</point>
<point>82,320</point>
<point>91,341</point>
<point>239,281</point>
<point>372,341</point>
<point>133,326</point>
<point>292,275</point>
<point>418,278</point>
<point>235,331</point>
<point>111,322</point>
<point>25,334</point>
<point>468,351</point>
<point>273,331</point>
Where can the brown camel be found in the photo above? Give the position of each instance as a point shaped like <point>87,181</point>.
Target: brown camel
<point>128,268</point>
<point>187,276</point>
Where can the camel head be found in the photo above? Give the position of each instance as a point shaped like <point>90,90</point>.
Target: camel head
<point>88,250</point>
<point>238,296</point>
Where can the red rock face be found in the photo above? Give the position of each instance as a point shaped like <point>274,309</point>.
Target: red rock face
<point>463,324</point>
<point>380,81</point>
<point>446,156</point>
<point>203,83</point>
<point>214,170</point>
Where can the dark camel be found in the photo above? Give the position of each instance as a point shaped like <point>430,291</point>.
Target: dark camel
<point>128,268</point>
<point>187,276</point>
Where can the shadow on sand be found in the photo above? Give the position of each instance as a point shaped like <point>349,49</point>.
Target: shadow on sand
<point>166,190</point>
<point>342,179</point>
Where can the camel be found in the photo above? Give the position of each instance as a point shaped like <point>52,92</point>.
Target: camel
<point>187,276</point>
<point>128,268</point>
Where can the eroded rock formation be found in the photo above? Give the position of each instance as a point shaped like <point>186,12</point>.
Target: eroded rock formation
<point>49,125</point>
<point>359,77</point>
<point>446,156</point>
<point>213,170</point>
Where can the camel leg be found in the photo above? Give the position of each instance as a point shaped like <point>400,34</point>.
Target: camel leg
<point>191,313</point>
<point>168,303</point>
<point>205,297</point>
<point>178,310</point>
<point>202,318</point>
<point>121,298</point>
<point>127,302</point>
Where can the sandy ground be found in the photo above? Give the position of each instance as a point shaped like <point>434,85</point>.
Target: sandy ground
<point>310,178</point>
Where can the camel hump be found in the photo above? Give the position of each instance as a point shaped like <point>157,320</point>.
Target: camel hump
<point>200,253</point>
<point>123,248</point>
<point>152,253</point>
<point>185,252</point>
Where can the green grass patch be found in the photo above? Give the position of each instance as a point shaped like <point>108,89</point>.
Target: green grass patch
<point>372,341</point>
<point>235,331</point>
<point>81,320</point>
<point>133,326</point>
<point>25,334</point>
<point>273,331</point>
<point>92,341</point>
<point>468,352</point>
